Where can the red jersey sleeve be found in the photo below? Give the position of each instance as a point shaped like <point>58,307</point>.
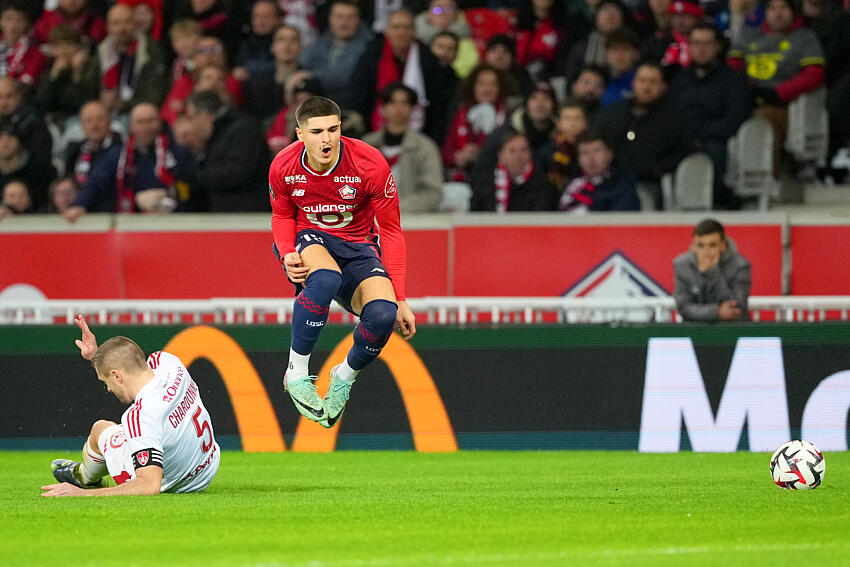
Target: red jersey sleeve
<point>283,211</point>
<point>393,251</point>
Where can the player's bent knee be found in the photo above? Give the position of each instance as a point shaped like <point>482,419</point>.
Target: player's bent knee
<point>379,315</point>
<point>100,426</point>
<point>325,282</point>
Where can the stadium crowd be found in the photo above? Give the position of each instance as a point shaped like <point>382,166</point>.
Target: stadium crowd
<point>534,105</point>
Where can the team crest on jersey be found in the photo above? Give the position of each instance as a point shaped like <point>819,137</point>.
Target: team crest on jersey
<point>347,192</point>
<point>390,188</point>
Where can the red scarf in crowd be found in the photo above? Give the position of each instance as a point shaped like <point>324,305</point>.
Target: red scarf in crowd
<point>541,44</point>
<point>126,196</point>
<point>112,71</point>
<point>388,72</point>
<point>503,183</point>
<point>12,62</point>
<point>678,52</point>
<point>83,166</point>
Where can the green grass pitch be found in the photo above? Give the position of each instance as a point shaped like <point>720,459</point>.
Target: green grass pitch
<point>468,508</point>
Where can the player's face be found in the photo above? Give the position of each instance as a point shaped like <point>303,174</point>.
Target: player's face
<point>321,140</point>
<point>115,387</point>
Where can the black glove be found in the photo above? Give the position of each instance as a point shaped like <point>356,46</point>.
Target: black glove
<point>766,95</point>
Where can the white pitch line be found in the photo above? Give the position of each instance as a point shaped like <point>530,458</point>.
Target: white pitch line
<point>474,558</point>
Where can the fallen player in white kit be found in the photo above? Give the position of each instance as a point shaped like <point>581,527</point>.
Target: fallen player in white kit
<point>165,440</point>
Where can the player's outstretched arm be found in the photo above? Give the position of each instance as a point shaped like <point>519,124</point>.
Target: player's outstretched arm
<point>405,320</point>
<point>148,481</point>
<point>88,344</point>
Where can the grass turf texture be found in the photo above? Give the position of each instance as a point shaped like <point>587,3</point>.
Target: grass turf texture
<point>467,508</point>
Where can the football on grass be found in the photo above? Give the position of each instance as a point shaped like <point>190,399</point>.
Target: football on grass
<point>797,465</point>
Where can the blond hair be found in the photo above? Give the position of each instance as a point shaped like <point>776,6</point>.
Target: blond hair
<point>119,353</point>
<point>185,26</point>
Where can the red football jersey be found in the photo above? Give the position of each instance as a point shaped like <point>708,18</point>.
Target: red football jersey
<point>353,200</point>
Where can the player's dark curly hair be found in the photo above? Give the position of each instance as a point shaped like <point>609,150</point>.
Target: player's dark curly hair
<point>316,106</point>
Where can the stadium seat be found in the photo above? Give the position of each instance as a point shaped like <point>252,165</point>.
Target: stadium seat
<point>750,169</point>
<point>808,128</point>
<point>691,187</point>
<point>456,197</point>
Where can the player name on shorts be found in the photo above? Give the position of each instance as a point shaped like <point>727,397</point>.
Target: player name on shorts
<point>175,417</point>
<point>335,208</point>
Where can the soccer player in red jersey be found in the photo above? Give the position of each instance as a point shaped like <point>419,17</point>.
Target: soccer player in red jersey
<point>336,227</point>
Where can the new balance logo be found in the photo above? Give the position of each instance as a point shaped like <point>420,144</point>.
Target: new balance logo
<point>383,271</point>
<point>298,192</point>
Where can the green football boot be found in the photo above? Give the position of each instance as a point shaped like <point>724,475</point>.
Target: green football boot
<point>335,399</point>
<point>303,393</point>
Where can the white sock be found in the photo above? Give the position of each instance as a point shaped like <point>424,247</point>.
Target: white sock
<point>299,364</point>
<point>346,373</point>
<point>93,466</point>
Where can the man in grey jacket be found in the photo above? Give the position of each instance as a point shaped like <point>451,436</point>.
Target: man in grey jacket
<point>712,280</point>
<point>413,157</point>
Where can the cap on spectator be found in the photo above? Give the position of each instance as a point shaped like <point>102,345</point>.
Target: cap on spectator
<point>691,7</point>
<point>309,85</point>
<point>505,41</point>
<point>10,129</point>
<point>543,87</point>
<point>622,37</point>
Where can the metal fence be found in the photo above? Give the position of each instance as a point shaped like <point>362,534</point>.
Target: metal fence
<point>429,310</point>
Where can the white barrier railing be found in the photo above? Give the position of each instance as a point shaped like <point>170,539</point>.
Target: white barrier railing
<point>431,310</point>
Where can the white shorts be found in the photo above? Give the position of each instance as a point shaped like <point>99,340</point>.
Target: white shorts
<point>116,452</point>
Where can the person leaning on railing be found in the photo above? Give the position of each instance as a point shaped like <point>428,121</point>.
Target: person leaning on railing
<point>712,280</point>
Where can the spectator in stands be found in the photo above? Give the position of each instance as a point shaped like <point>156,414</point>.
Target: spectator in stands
<point>83,156</point>
<point>213,78</point>
<point>654,27</point>
<point>714,99</point>
<point>603,185</point>
<point>515,184</point>
<point>610,15</point>
<point>77,14</point>
<point>147,17</point>
<point>647,132</point>
<point>127,67</point>
<point>139,175</point>
<point>210,52</point>
<point>838,93</point>
<point>541,36</point>
<point>28,124</point>
<point>299,88</point>
<point>535,119</point>
<point>185,38</point>
<point>684,15</point>
<point>483,94</point>
<point>444,46</point>
<point>712,280</point>
<point>233,172</point>
<point>398,56</point>
<point>63,191</point>
<point>264,91</point>
<point>413,157</point>
<point>562,165</point>
<point>255,50</point>
<point>445,16</point>
<point>588,87</point>
<point>15,199</point>
<point>19,58</point>
<point>739,16</point>
<point>501,54</point>
<point>338,58</point>
<point>16,163</point>
<point>622,51</point>
<point>782,61</point>
<point>60,86</point>
<point>214,19</point>
<point>186,135</point>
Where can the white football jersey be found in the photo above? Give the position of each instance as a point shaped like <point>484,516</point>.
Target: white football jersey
<point>169,426</point>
